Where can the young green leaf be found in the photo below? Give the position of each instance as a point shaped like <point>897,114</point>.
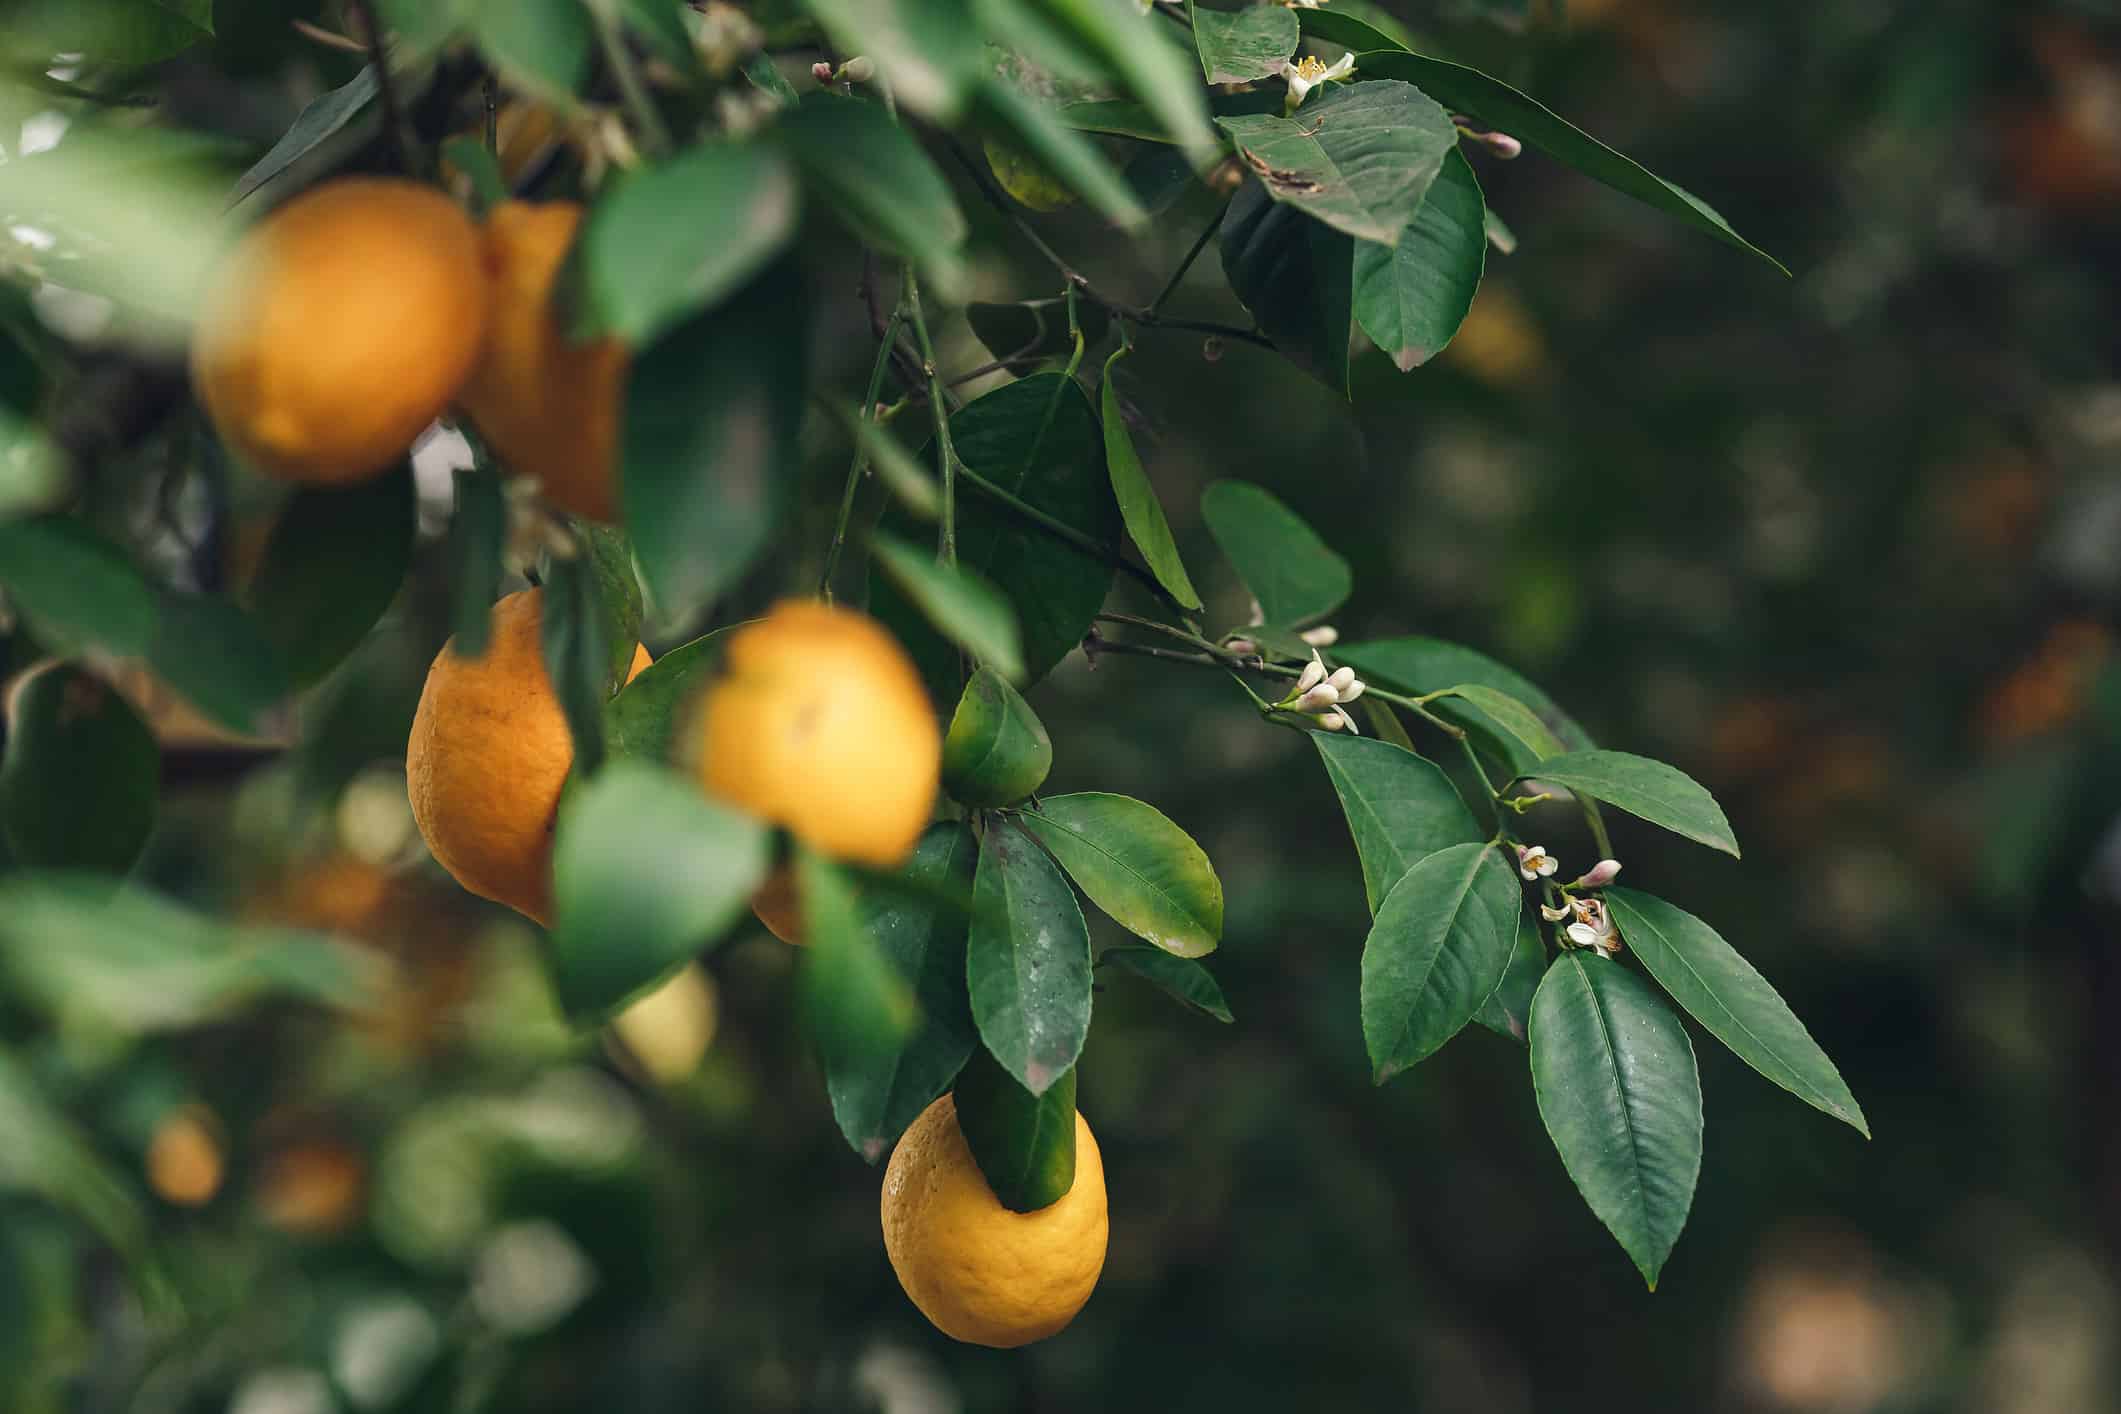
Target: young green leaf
<point>962,604</point>
<point>881,182</point>
<point>1145,872</point>
<point>1027,960</point>
<point>1614,1074</point>
<point>1138,506</point>
<point>1295,276</point>
<point>1411,298</point>
<point>1514,717</point>
<point>1180,977</point>
<point>478,535</point>
<point>1721,990</point>
<point>1242,46</point>
<point>75,587</point>
<point>997,751</point>
<point>1024,1143</point>
<point>1295,576</point>
<point>1663,795</point>
<point>646,872</point>
<point>1507,1011</point>
<point>218,659</point>
<point>321,118</point>
<point>1358,157</point>
<point>80,774</point>
<point>1072,159</point>
<point>1401,808</point>
<point>924,939</point>
<point>646,721</point>
<point>1436,952</point>
<point>332,565</point>
<point>857,1006</point>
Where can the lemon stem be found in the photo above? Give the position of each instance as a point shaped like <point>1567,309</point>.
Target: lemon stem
<point>946,535</point>
<point>860,463</point>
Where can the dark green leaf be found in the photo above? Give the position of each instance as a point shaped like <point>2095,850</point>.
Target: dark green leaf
<point>1422,665</point>
<point>961,603</point>
<point>677,238</point>
<point>331,567</point>
<point>1507,1011</point>
<point>1295,275</point>
<point>78,589</point>
<point>577,646</point>
<point>218,659</point>
<point>478,535</point>
<point>1027,960</point>
<point>885,187</point>
<point>1024,1143</point>
<point>1295,576</point>
<point>1401,807</point>
<point>1114,117</point>
<point>997,751</point>
<point>80,775</point>
<point>858,1007</point>
<point>1349,32</point>
<point>646,872</point>
<point>766,77</point>
<point>1514,717</point>
<point>1035,328</point>
<point>1663,795</point>
<point>1072,159</point>
<point>1411,298</point>
<point>322,117</point>
<point>104,34</point>
<point>1359,157</point>
<point>1721,990</point>
<point>1138,506</point>
<point>1240,46</point>
<point>47,1156</point>
<point>1145,872</point>
<point>470,157</point>
<point>709,440</point>
<point>539,46</point>
<point>609,557</point>
<point>1139,49</point>
<point>1179,977</point>
<point>1436,952</point>
<point>924,939</point>
<point>1617,1088</point>
<point>646,721</point>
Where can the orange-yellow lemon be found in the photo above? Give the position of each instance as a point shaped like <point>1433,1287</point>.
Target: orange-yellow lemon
<point>339,327</point>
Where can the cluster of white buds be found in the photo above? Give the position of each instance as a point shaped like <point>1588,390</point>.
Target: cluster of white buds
<point>1309,72</point>
<point>1321,694</point>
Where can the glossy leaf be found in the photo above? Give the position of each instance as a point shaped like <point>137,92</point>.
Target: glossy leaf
<point>1358,157</point>
<point>1722,991</point>
<point>1620,1096</point>
<point>1072,159</point>
<point>80,775</point>
<point>1138,506</point>
<point>577,640</point>
<point>1143,871</point>
<point>963,605</point>
<point>332,565</point>
<point>646,872</point>
<point>478,535</point>
<point>1240,46</point>
<point>997,751</point>
<point>647,720</point>
<point>320,119</point>
<point>1422,665</point>
<point>677,238</point>
<point>1508,1010</point>
<point>75,587</point>
<point>882,183</point>
<point>1401,807</point>
<point>1295,276</point>
<point>218,659</point>
<point>1514,717</point>
<point>1663,795</point>
<point>1436,952</point>
<point>1295,576</point>
<point>709,438</point>
<point>923,938</point>
<point>1180,977</point>
<point>857,1008</point>
<point>1023,1143</point>
<point>1027,960</point>
<point>1411,298</point>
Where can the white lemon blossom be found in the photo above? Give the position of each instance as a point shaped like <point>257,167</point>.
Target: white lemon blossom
<point>1308,73</point>
<point>1593,926</point>
<point>1533,862</point>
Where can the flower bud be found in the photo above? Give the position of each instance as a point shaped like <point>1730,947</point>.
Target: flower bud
<point>821,71</point>
<point>1318,698</point>
<point>1342,679</point>
<point>1353,690</point>
<point>1243,647</point>
<point>860,69</point>
<point>1314,673</point>
<point>1324,636</point>
<point>1600,874</point>
<point>1333,721</point>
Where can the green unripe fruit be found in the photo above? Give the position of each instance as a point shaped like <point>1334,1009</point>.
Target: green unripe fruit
<point>80,776</point>
<point>997,751</point>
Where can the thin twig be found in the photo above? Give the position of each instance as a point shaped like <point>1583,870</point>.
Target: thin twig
<point>387,88</point>
<point>655,136</point>
<point>946,453</point>
<point>329,38</point>
<point>861,454</point>
<point>1200,243</point>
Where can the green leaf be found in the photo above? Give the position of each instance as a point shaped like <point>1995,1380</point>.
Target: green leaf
<point>968,609</point>
<point>320,119</point>
<point>540,47</point>
<point>1072,159</point>
<point>1514,717</point>
<point>1027,960</point>
<point>577,646</point>
<point>881,182</point>
<point>1614,1074</point>
<point>997,751</point>
<point>1499,106</point>
<point>218,659</point>
<point>1241,46</point>
<point>1295,576</point>
<point>1401,807</point>
<point>904,477</point>
<point>736,204</point>
<point>80,775</point>
<point>1179,977</point>
<point>478,535</point>
<point>646,720</point>
<point>1137,48</point>
<point>661,26</point>
<point>1024,1143</point>
<point>767,78</point>
<point>1144,872</point>
<point>927,50</point>
<point>1436,952</point>
<point>1360,158</point>
<point>1411,298</point>
<point>1296,277</point>
<point>1663,795</point>
<point>646,872</point>
<point>1114,117</point>
<point>1138,506</point>
<point>48,1156</point>
<point>1422,665</point>
<point>1721,990</point>
<point>709,453</point>
<point>924,939</point>
<point>1035,328</point>
<point>1509,1009</point>
<point>76,588</point>
<point>105,34</point>
<point>857,1006</point>
<point>471,158</point>
<point>331,567</point>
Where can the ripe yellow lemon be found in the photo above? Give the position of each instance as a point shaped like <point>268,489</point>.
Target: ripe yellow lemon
<point>340,326</point>
<point>981,1273</point>
<point>548,406</point>
<point>819,723</point>
<point>488,754</point>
